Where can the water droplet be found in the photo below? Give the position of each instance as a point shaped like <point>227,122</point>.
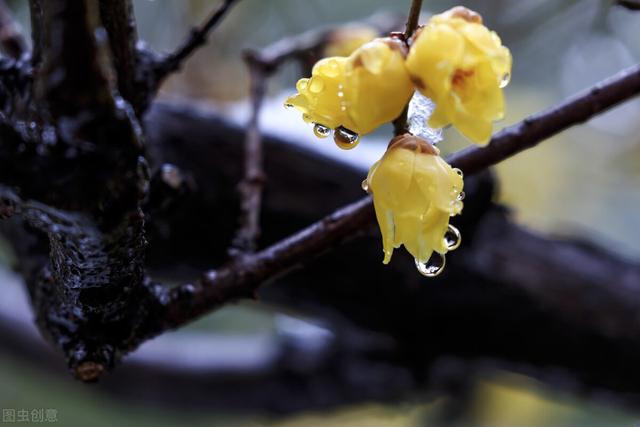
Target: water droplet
<point>345,138</point>
<point>302,84</point>
<point>316,85</point>
<point>505,79</point>
<point>452,238</point>
<point>365,185</point>
<point>288,105</point>
<point>321,131</point>
<point>433,267</point>
<point>459,172</point>
<point>332,69</point>
<point>461,196</point>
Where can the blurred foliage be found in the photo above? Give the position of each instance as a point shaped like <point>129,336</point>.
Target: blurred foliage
<point>584,182</point>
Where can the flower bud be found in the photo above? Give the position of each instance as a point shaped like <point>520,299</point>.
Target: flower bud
<point>415,192</point>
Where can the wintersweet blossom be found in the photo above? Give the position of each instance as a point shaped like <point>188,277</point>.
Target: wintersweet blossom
<point>462,66</point>
<point>357,93</point>
<point>415,192</point>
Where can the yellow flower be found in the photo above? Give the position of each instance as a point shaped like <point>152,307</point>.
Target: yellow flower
<point>343,41</point>
<point>355,94</point>
<point>462,66</point>
<point>415,192</point>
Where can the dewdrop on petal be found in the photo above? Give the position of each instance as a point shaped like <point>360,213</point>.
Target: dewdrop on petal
<point>415,192</point>
<point>356,94</point>
<point>462,66</point>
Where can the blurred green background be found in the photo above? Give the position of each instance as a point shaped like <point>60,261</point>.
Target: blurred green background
<point>585,182</point>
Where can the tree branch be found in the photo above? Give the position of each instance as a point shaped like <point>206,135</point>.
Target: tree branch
<point>196,38</point>
<point>629,4</point>
<point>253,181</point>
<point>82,246</point>
<point>120,23</point>
<point>481,307</point>
<point>11,37</point>
<point>400,123</point>
<point>413,19</point>
<point>242,278</point>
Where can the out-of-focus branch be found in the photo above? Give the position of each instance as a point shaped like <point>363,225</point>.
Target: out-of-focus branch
<point>306,47</point>
<point>251,185</point>
<point>196,38</point>
<point>261,64</point>
<point>629,4</point>
<point>36,15</point>
<point>241,279</point>
<point>11,38</point>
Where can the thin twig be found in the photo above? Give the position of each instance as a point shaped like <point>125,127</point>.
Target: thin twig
<point>251,185</point>
<point>242,278</point>
<point>413,19</point>
<point>400,123</point>
<point>306,45</point>
<point>196,38</point>
<point>11,38</point>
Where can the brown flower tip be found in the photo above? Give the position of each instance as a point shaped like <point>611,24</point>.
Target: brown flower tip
<point>464,13</point>
<point>89,371</point>
<point>417,81</point>
<point>411,142</point>
<point>396,43</point>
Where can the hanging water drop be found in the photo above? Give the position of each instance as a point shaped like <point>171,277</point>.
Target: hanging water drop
<point>505,79</point>
<point>316,84</point>
<point>461,196</point>
<point>365,185</point>
<point>459,172</point>
<point>302,84</point>
<point>321,131</point>
<point>287,105</point>
<point>433,267</point>
<point>345,138</point>
<point>452,238</point>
